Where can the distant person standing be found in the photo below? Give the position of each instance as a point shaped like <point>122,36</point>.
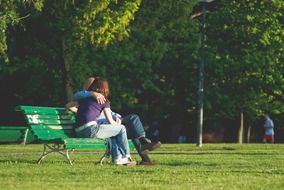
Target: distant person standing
<point>269,130</point>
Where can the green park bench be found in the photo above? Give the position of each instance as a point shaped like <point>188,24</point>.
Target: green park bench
<point>15,134</point>
<point>54,128</point>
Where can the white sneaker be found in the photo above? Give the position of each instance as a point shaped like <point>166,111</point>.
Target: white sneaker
<point>128,157</point>
<point>124,161</point>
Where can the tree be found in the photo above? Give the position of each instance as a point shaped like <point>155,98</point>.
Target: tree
<point>76,24</point>
<point>10,15</point>
<point>89,23</point>
<point>153,72</point>
<point>245,55</point>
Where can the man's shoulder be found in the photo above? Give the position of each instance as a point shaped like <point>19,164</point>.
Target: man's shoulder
<point>269,122</point>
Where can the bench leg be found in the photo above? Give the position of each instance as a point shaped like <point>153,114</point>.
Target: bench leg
<point>106,154</point>
<point>104,157</point>
<point>43,155</point>
<point>66,156</point>
<point>57,149</point>
<point>25,136</point>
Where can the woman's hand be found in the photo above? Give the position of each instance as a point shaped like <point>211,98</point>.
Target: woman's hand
<point>99,97</point>
<point>118,121</point>
<point>109,118</point>
<point>72,106</point>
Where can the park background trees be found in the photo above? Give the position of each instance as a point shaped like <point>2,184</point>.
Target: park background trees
<point>149,51</point>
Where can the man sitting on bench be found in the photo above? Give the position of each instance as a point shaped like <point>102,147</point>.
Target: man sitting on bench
<point>134,127</point>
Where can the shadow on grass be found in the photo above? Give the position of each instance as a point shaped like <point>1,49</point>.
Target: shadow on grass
<point>216,153</point>
<point>134,171</point>
<point>44,162</point>
<point>190,163</point>
<point>22,161</point>
<point>229,148</point>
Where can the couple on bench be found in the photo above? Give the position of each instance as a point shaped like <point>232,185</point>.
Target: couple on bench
<point>94,119</point>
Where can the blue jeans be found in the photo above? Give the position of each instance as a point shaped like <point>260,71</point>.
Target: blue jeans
<point>134,126</point>
<point>135,130</point>
<point>117,134</point>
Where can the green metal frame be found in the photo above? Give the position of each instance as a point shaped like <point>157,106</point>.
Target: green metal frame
<point>105,156</point>
<point>55,148</point>
<point>60,149</point>
<point>24,142</point>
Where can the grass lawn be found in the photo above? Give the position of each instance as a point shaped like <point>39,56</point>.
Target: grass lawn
<point>214,166</point>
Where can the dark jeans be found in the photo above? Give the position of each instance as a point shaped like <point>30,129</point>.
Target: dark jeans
<point>135,130</point>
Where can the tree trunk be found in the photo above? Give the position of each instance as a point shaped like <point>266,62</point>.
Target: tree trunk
<point>241,128</point>
<point>248,134</point>
<point>67,76</point>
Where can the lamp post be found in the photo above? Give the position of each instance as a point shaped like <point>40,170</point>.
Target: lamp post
<point>201,75</point>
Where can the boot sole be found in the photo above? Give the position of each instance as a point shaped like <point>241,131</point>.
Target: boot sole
<point>146,151</point>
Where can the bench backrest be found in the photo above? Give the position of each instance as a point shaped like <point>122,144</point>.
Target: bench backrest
<point>49,124</point>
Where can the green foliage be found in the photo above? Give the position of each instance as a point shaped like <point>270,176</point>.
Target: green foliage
<point>10,16</point>
<point>92,22</point>
<point>145,68</point>
<point>60,28</point>
<point>244,70</point>
<point>149,51</point>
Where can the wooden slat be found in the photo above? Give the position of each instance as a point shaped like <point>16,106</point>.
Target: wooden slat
<point>53,116</point>
<point>85,143</point>
<point>51,132</point>
<point>44,133</point>
<point>85,146</point>
<point>78,143</point>
<point>10,134</point>
<point>42,110</point>
<point>52,127</point>
<point>13,127</point>
<point>38,119</point>
<point>51,136</point>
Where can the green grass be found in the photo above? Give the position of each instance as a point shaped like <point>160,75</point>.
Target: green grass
<point>214,166</point>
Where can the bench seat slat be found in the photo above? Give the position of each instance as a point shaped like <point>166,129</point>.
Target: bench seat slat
<point>85,143</point>
<point>78,143</point>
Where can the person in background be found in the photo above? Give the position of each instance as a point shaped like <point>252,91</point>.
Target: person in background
<point>134,127</point>
<point>269,130</point>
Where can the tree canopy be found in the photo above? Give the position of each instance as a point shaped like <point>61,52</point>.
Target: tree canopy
<point>149,51</point>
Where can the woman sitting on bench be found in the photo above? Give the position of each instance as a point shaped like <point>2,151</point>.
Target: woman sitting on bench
<point>86,124</point>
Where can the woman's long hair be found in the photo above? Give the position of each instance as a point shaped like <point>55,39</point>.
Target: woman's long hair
<point>100,85</point>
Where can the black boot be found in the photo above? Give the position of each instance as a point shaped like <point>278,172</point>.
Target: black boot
<point>137,144</point>
<point>147,145</point>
